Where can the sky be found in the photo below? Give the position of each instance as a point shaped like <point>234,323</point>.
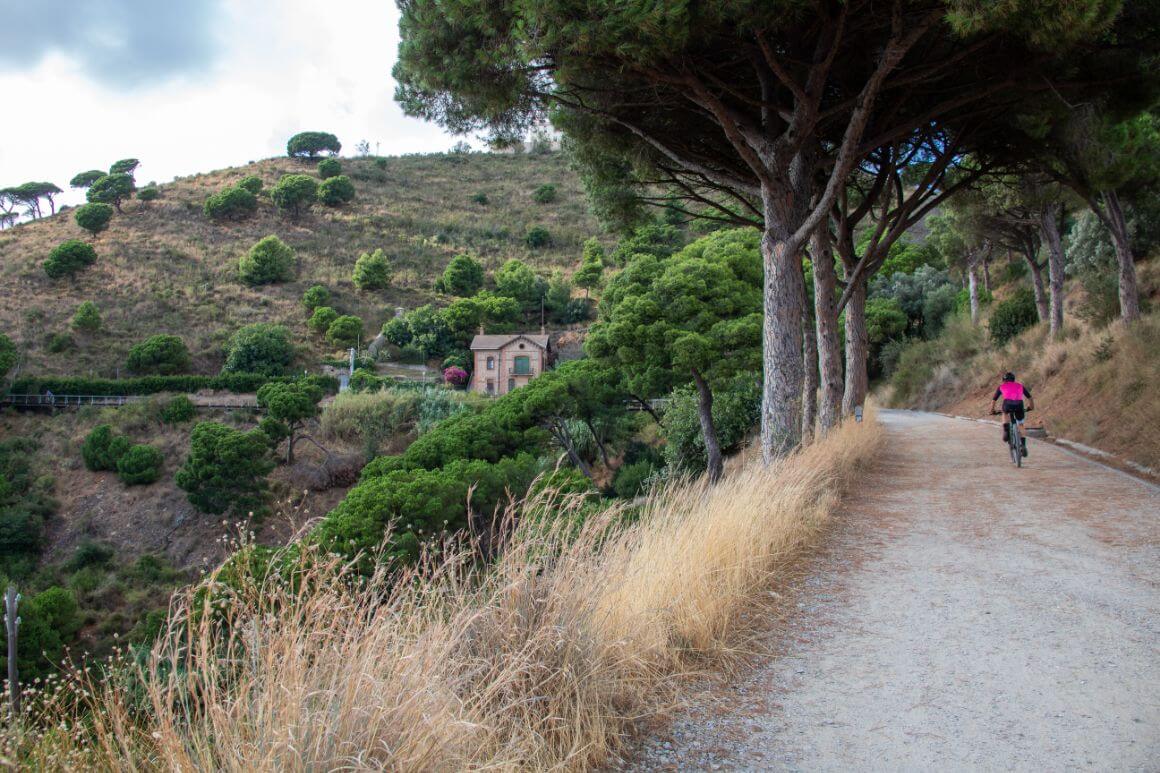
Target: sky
<point>190,86</point>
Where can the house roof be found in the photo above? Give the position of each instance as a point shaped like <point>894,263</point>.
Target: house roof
<point>500,341</point>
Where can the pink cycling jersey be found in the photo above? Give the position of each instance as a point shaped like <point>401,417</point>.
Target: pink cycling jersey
<point>1011,390</point>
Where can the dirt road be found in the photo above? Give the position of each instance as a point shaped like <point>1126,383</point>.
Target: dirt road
<point>965,616</point>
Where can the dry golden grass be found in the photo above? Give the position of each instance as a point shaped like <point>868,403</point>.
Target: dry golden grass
<point>547,660</point>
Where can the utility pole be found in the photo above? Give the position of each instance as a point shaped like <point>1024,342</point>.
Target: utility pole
<point>12,624</point>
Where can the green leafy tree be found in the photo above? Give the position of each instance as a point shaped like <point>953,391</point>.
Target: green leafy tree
<point>140,465</point>
<point>463,277</point>
<point>336,191</point>
<point>69,257</point>
<point>231,204</point>
<point>178,410</point>
<point>94,218</point>
<point>261,347</point>
<point>149,193</point>
<point>85,179</point>
<point>1012,316</point>
<point>226,469</point>
<point>9,356</point>
<point>315,296</point>
<point>270,260</point>
<point>125,166</point>
<point>162,355</point>
<point>515,279</point>
<point>321,318</point>
<point>87,317</point>
<point>49,622</point>
<point>291,404</point>
<point>329,167</point>
<point>372,271</point>
<point>111,189</point>
<point>344,331</point>
<point>693,317</point>
<point>102,448</point>
<point>310,144</point>
<point>251,183</point>
<point>591,271</point>
<point>294,194</point>
<point>537,237</point>
<point>30,194</point>
<point>736,411</point>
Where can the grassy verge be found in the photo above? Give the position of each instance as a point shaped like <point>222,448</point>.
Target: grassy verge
<point>548,659</point>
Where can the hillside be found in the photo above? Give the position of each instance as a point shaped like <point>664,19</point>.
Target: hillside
<point>163,267</point>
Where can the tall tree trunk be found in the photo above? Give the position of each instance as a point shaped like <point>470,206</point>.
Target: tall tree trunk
<point>1129,292</point>
<point>781,334</point>
<point>829,352</point>
<point>973,291</point>
<point>1037,286</point>
<point>810,382</point>
<point>559,430</point>
<point>1049,227</point>
<point>987,273</point>
<point>599,443</point>
<point>715,464</point>
<point>857,351</point>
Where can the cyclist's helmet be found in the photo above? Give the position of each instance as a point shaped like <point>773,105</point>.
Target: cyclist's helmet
<point>1008,376</point>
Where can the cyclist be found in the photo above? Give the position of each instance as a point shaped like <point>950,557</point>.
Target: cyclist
<point>1012,393</point>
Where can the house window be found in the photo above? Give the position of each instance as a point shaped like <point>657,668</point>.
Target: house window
<point>491,363</point>
<point>491,386</point>
<point>511,384</point>
<point>523,366</point>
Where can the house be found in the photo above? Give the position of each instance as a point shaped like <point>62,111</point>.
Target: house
<point>506,362</point>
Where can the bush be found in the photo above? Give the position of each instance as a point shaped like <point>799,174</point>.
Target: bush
<point>59,342</point>
<point>294,193</point>
<point>162,355</point>
<point>315,296</point>
<point>321,319</point>
<point>140,465</point>
<point>736,411</point>
<point>178,410</point>
<point>69,257</point>
<point>462,277</point>
<point>102,448</point>
<point>149,194</point>
<point>8,356</point>
<point>87,317</point>
<point>479,198</point>
<point>344,331</point>
<point>262,348</point>
<point>336,191</point>
<point>1012,316</point>
<point>380,163</point>
<point>94,218</point>
<point>915,370</point>
<point>630,479</point>
<point>963,298</point>
<point>329,167</point>
<point>537,237</point>
<point>1101,297</point>
<point>545,194</point>
<point>226,469</point>
<point>231,204</point>
<point>310,144</point>
<point>372,271</point>
<point>936,308</point>
<point>268,261</point>
<point>240,382</point>
<point>251,183</point>
<point>455,375</point>
<point>90,554</point>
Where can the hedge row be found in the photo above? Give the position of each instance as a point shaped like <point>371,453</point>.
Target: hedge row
<point>147,385</point>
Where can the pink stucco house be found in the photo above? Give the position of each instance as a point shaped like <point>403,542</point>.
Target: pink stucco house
<point>507,362</point>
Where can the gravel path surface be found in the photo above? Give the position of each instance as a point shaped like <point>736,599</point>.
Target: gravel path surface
<point>965,615</point>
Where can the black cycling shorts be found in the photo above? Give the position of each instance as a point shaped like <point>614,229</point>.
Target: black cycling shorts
<point>1014,408</point>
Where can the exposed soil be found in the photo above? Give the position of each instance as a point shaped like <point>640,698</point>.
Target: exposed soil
<point>964,615</point>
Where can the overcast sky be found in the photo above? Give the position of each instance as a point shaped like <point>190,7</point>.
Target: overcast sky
<point>193,85</point>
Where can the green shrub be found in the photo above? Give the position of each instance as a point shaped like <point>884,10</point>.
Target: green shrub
<point>321,318</point>
<point>251,183</point>
<point>69,257</point>
<point>226,469</point>
<point>329,167</point>
<point>380,163</point>
<point>238,382</point>
<point>479,198</point>
<point>914,371</point>
<point>59,342</point>
<point>963,298</point>
<point>1012,316</point>
<point>94,218</point>
<point>111,189</point>
<point>336,191</point>
<point>631,478</point>
<point>178,410</point>
<point>344,331</point>
<point>315,296</point>
<point>267,262</point>
<point>936,308</point>
<point>462,277</point>
<point>87,317</point>
<point>537,236</point>
<point>1101,297</point>
<point>148,194</point>
<point>372,271</point>
<point>8,356</point>
<point>515,279</point>
<point>262,348</point>
<point>736,411</point>
<point>140,465</point>
<point>545,194</point>
<point>90,554</point>
<point>310,144</point>
<point>294,193</point>
<point>103,448</point>
<point>48,622</point>
<point>163,355</point>
<point>231,204</point>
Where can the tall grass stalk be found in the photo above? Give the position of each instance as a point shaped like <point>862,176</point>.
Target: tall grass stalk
<point>547,659</point>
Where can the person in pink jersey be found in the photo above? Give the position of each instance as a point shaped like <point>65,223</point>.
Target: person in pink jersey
<point>1012,394</point>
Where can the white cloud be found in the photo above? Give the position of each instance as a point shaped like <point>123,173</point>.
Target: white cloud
<point>283,66</point>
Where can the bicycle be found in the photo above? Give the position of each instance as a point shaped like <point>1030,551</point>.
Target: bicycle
<point>1015,439</point>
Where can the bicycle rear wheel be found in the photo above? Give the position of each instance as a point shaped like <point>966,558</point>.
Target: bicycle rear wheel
<point>1016,445</point>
